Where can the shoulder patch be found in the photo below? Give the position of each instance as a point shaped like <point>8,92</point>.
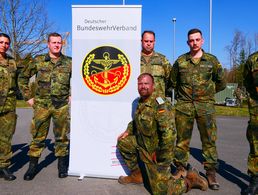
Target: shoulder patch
<point>160,100</point>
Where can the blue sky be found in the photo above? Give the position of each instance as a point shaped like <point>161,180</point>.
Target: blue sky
<point>228,16</point>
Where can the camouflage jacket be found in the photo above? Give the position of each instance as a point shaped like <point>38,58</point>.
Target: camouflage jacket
<point>8,85</point>
<point>197,83</point>
<point>52,80</point>
<point>154,128</point>
<point>159,67</point>
<point>250,75</point>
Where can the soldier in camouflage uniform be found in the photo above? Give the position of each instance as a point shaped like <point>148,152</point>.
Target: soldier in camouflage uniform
<point>196,77</point>
<point>250,75</point>
<point>52,97</point>
<point>151,139</point>
<point>156,64</point>
<point>7,106</point>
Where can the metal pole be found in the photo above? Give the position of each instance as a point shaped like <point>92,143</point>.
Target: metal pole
<point>123,2</point>
<point>174,38</point>
<point>174,50</point>
<point>210,25</point>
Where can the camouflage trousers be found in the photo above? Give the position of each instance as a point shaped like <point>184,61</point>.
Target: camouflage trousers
<point>252,137</point>
<point>8,124</point>
<point>158,177</point>
<point>208,133</point>
<point>40,128</point>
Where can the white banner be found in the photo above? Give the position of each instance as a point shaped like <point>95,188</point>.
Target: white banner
<point>106,64</point>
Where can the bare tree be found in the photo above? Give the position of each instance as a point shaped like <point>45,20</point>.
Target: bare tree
<point>235,47</point>
<point>240,48</point>
<point>27,24</point>
<point>240,43</point>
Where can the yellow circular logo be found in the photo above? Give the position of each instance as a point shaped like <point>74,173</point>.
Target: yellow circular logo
<point>106,70</point>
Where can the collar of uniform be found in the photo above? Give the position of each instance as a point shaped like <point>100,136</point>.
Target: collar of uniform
<point>5,61</point>
<point>188,56</point>
<point>148,101</point>
<point>7,57</point>
<point>48,58</point>
<point>155,53</point>
<point>152,54</point>
<point>204,56</point>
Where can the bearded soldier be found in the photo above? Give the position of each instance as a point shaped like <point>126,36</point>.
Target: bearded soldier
<point>151,139</point>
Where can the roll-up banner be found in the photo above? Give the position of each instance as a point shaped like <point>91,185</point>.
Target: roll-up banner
<point>105,66</point>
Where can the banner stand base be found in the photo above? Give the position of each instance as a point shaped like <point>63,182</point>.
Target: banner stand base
<point>81,177</point>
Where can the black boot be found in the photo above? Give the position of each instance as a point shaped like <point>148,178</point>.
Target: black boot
<point>253,186</point>
<point>6,174</point>
<point>62,167</point>
<point>32,171</point>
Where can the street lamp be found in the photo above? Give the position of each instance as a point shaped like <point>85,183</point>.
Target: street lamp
<point>174,50</point>
<point>174,38</point>
<point>210,25</point>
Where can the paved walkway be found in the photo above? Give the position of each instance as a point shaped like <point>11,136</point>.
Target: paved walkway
<point>232,149</point>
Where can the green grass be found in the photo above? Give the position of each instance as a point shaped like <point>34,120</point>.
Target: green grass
<point>220,110</point>
<point>231,111</point>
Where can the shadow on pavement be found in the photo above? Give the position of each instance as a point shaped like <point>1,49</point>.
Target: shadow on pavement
<point>50,158</point>
<point>21,158</point>
<point>227,171</point>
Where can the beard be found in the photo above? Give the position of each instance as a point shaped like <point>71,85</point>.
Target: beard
<point>144,93</point>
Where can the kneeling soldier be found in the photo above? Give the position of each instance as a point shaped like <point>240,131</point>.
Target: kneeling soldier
<point>150,137</point>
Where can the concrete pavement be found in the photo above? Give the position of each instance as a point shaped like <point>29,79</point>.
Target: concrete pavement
<point>232,148</point>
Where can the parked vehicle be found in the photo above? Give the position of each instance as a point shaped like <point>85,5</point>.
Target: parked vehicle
<point>231,102</point>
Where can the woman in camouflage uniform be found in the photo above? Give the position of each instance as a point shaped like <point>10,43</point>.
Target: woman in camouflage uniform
<point>7,106</point>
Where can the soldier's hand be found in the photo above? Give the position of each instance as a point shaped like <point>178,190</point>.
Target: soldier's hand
<point>31,102</point>
<point>123,135</point>
<point>69,99</point>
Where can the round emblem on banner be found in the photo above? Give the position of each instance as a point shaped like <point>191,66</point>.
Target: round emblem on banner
<point>106,70</point>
